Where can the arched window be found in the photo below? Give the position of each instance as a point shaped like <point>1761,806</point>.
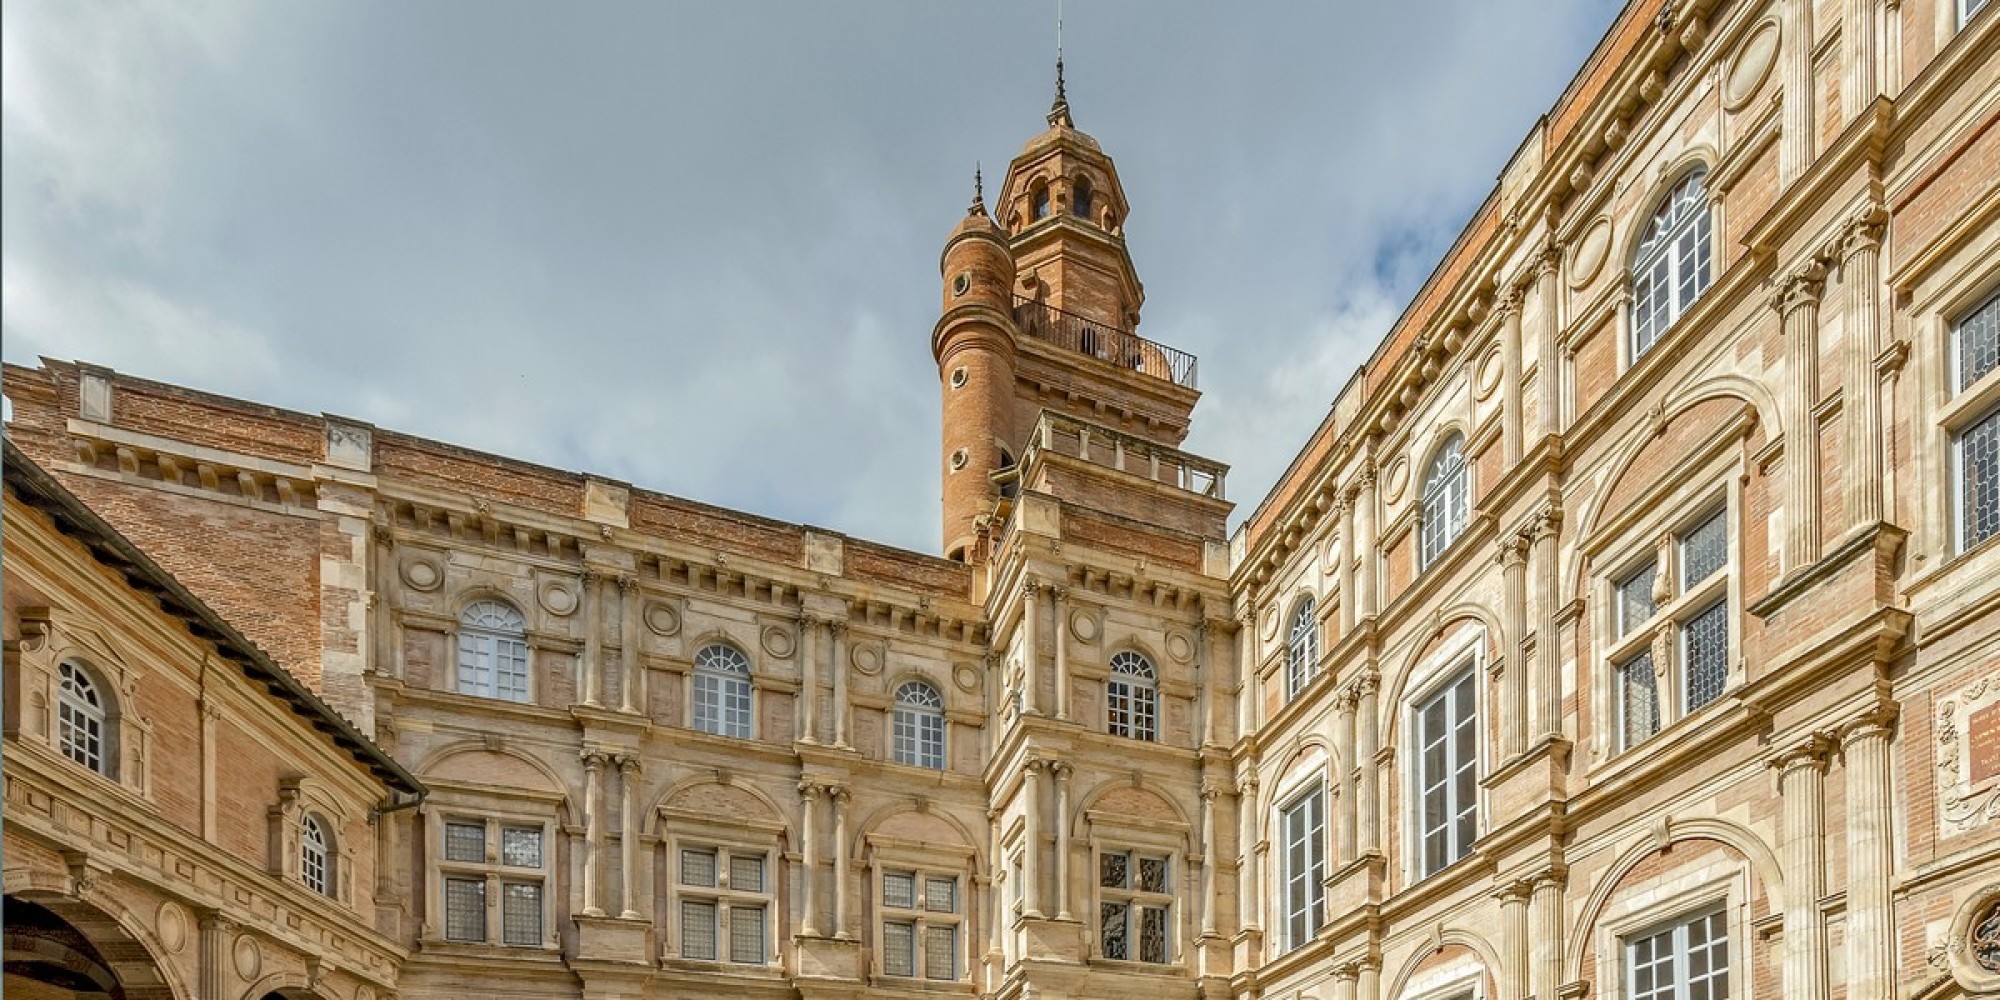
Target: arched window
<point>1302,658</point>
<point>315,856</point>
<point>1447,494</point>
<point>1040,194</point>
<point>919,725</point>
<point>493,651</point>
<point>1132,698</point>
<point>1671,267</point>
<point>1080,199</point>
<point>722,691</point>
<point>83,721</point>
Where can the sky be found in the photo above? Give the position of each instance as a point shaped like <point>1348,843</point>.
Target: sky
<point>695,246</point>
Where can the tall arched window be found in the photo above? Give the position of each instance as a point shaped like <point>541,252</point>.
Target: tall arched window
<point>1040,197</point>
<point>919,725</point>
<point>493,651</point>
<point>1447,496</point>
<point>1132,698</point>
<point>83,721</point>
<point>315,856</point>
<point>1302,658</point>
<point>1671,267</point>
<point>1080,199</point>
<point>722,691</point>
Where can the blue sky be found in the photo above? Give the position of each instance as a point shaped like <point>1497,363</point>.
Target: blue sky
<point>695,246</point>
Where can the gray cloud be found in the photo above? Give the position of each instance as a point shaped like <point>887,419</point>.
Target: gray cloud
<point>695,246</point>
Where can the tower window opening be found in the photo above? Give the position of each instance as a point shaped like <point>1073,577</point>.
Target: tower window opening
<point>1080,199</point>
<point>1010,483</point>
<point>1041,197</point>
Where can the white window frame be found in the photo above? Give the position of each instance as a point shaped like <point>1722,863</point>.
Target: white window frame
<point>494,660</point>
<point>1311,838</point>
<point>922,918</point>
<point>728,685</point>
<point>1642,908</point>
<point>1302,647</point>
<point>1679,952</point>
<point>1135,900</point>
<point>316,855</point>
<point>1658,250</point>
<point>1462,666</point>
<point>1969,9</point>
<point>1663,635</point>
<point>919,732</point>
<point>1140,692</point>
<point>86,719</point>
<point>493,873</point>
<point>1977,403</point>
<point>724,896</point>
<point>1446,505</point>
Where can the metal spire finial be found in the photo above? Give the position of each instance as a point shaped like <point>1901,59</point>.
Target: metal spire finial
<point>978,206</point>
<point>1059,111</point>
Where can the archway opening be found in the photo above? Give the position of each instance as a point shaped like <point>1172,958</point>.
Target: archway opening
<point>49,957</point>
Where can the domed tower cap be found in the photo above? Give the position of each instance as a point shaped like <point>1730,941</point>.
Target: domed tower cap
<point>977,219</point>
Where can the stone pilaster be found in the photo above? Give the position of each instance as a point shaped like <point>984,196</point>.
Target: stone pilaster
<point>1031,856</point>
<point>1797,303</point>
<point>1545,936</point>
<point>809,796</point>
<point>216,973</point>
<point>1516,963</point>
<point>1365,543</point>
<point>1346,767</point>
<point>1058,600</point>
<point>1548,377</point>
<point>628,837</point>
<point>1061,770</point>
<point>1859,83</point>
<point>1802,855</point>
<point>1514,676</point>
<point>628,643</point>
<point>1344,553</point>
<point>1367,748</point>
<point>1344,978</point>
<point>1547,721</point>
<point>842,893</point>
<point>808,679</point>
<point>1512,431</point>
<point>1862,470</point>
<point>1209,857</point>
<point>593,831</point>
<point>1249,908</point>
<point>1871,860</point>
<point>842,711</point>
<point>593,639</point>
<point>1797,141</point>
<point>1031,648</point>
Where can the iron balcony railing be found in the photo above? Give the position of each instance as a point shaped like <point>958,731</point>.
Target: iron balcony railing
<point>1120,347</point>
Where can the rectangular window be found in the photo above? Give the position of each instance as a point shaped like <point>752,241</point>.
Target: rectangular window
<point>1670,618</point>
<point>941,952</point>
<point>1304,826</point>
<point>899,949</point>
<point>465,842</point>
<point>698,867</point>
<point>899,890</point>
<point>1132,914</point>
<point>1688,960</point>
<point>1705,653</point>
<point>698,929</point>
<point>919,925</point>
<point>1634,601</point>
<point>1638,700</point>
<point>746,934</point>
<point>1976,448</point>
<point>521,846</point>
<point>746,872</point>
<point>724,905</point>
<point>521,914</point>
<point>465,910</point>
<point>1447,775</point>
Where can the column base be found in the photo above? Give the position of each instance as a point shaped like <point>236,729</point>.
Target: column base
<point>827,958</point>
<point>1248,946</point>
<point>1048,939</point>
<point>605,939</point>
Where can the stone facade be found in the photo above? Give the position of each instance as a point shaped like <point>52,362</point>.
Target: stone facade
<point>1620,627</point>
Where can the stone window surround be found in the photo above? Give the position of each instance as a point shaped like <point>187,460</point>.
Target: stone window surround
<point>1171,842</point>
<point>1427,679</point>
<point>1935,302</point>
<point>512,807</point>
<point>1664,899</point>
<point>886,854</point>
<point>1464,979</point>
<point>46,643</point>
<point>1959,410</point>
<point>452,626</point>
<point>724,839</point>
<point>762,683</point>
<point>1303,649</point>
<point>297,799</point>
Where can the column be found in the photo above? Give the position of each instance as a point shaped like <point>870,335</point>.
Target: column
<point>809,792</point>
<point>1250,915</point>
<point>628,643</point>
<point>593,831</point>
<point>1858,84</point>
<point>808,679</point>
<point>1367,744</point>
<point>1031,858</point>
<point>1344,509</point>
<point>1861,405</point>
<point>1204,666</point>
<point>593,646</point>
<point>1548,380</point>
<point>628,837</point>
<point>1209,857</point>
<point>1797,303</point>
<point>1246,665</point>
<point>1347,765</point>
<point>1343,980</point>
<point>1796,139</point>
<point>1871,929</point>
<point>836,631</point>
<point>217,931</point>
<point>1547,721</point>
<point>1031,649</point>
<point>1511,429</point>
<point>996,897</point>
<point>1514,960</point>
<point>1367,984</point>
<point>211,797</point>
<point>1365,542</point>
<point>841,892</point>
<point>1062,771</point>
<point>1514,673</point>
<point>1802,855</point>
<point>1546,941</point>
<point>1058,595</point>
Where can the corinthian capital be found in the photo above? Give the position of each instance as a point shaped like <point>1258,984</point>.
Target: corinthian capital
<point>1800,289</point>
<point>1864,232</point>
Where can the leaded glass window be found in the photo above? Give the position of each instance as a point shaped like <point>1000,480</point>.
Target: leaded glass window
<point>1672,266</point>
<point>1302,653</point>
<point>515,875</point>
<point>920,922</point>
<point>1639,700</point>
<point>724,904</point>
<point>899,949</point>
<point>465,910</point>
<point>1447,499</point>
<point>746,934</point>
<point>1668,651</point>
<point>1704,551</point>
<point>1134,904</point>
<point>81,720</point>
<point>521,846</point>
<point>918,724</point>
<point>1688,960</point>
<point>1447,775</point>
<point>1705,654</point>
<point>521,914</point>
<point>722,691</point>
<point>1976,448</point>
<point>1635,599</point>
<point>698,929</point>
<point>465,842</point>
<point>1132,698</point>
<point>1302,825</point>
<point>493,651</point>
<point>315,857</point>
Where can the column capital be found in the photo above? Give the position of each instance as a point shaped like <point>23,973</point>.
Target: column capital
<point>1365,478</point>
<point>1347,971</point>
<point>1346,699</point>
<point>1367,684</point>
<point>1247,785</point>
<point>1799,289</point>
<point>1211,788</point>
<point>1875,722</point>
<point>1808,753</point>
<point>594,760</point>
<point>1514,548</point>
<point>1515,891</point>
<point>1864,231</point>
<point>625,582</point>
<point>1033,767</point>
<point>588,577</point>
<point>837,627</point>
<point>1061,769</point>
<point>1058,593</point>
<point>628,763</point>
<point>1029,587</point>
<point>810,790</point>
<point>839,793</point>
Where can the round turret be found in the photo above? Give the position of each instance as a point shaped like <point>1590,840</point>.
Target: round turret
<point>974,347</point>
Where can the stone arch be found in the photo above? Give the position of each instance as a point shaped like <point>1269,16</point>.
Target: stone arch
<point>719,636</point>
<point>1667,172</point>
<point>1763,865</point>
<point>1127,797</point>
<point>1294,754</point>
<point>1482,952</point>
<point>890,820</point>
<point>120,941</point>
<point>286,986</point>
<point>1396,686</point>
<point>724,799</point>
<point>519,765</point>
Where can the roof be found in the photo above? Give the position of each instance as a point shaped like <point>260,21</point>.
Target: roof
<point>35,487</point>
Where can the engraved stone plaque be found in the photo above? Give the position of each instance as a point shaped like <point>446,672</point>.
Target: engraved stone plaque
<point>1982,744</point>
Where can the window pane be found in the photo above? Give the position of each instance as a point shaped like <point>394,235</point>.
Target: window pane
<point>1114,871</point>
<point>465,909</point>
<point>1152,934</point>
<point>1652,960</point>
<point>1979,343</point>
<point>1705,645</point>
<point>1708,958</point>
<point>1704,550</point>
<point>941,895</point>
<point>1979,481</point>
<point>746,872</point>
<point>899,890</point>
<point>899,949</point>
<point>1639,699</point>
<point>697,867</point>
<point>521,914</point>
<point>1153,874</point>
<point>521,847</point>
<point>465,842</point>
<point>698,929</point>
<point>1113,933</point>
<point>1447,774</point>
<point>746,934</point>
<point>1633,602</point>
<point>941,952</point>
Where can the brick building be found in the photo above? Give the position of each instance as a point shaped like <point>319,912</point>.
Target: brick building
<point>1627,629</point>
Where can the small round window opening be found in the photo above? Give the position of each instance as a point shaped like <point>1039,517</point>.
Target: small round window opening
<point>958,378</point>
<point>962,283</point>
<point>958,459</point>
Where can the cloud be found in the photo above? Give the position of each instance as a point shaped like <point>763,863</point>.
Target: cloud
<point>695,246</point>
